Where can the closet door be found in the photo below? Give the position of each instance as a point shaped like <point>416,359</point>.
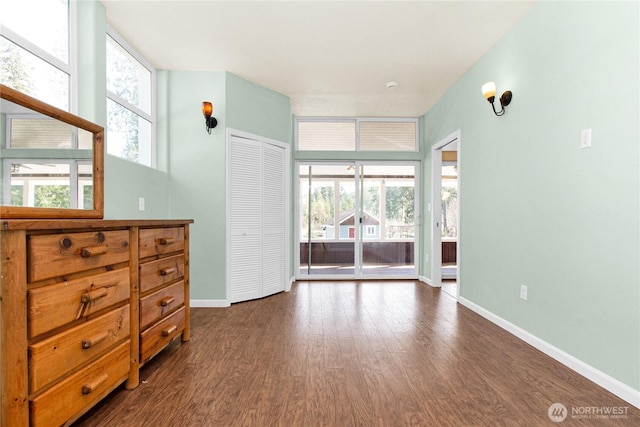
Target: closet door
<point>273,219</point>
<point>257,194</point>
<point>244,220</point>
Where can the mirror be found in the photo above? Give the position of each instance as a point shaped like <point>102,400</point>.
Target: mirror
<point>51,161</point>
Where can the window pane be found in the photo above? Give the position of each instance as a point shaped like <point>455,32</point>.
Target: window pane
<point>40,133</point>
<point>40,185</point>
<point>31,132</point>
<point>388,238</point>
<point>327,228</point>
<point>44,23</point>
<point>387,136</point>
<point>399,208</point>
<point>327,136</point>
<point>29,74</point>
<point>371,208</point>
<point>85,140</point>
<point>85,186</point>
<point>129,135</point>
<point>127,77</point>
<point>17,195</point>
<point>449,195</point>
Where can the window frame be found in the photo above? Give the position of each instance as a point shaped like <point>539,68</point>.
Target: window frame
<point>69,68</point>
<point>150,117</point>
<point>357,121</point>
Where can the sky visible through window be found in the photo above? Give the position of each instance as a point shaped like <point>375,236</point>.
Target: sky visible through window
<point>34,49</point>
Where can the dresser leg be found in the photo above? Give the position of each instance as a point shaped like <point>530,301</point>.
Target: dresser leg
<point>13,330</point>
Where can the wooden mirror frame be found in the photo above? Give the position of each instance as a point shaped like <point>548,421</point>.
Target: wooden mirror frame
<point>98,161</point>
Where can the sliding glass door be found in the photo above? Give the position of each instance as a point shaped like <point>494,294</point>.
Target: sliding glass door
<point>388,220</point>
<point>357,219</point>
<point>327,196</point>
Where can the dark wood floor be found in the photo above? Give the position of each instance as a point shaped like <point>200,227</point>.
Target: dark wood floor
<point>351,354</point>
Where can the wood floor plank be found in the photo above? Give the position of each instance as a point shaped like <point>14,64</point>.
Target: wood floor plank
<point>378,353</point>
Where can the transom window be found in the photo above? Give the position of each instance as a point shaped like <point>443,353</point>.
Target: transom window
<point>358,134</point>
<point>130,103</point>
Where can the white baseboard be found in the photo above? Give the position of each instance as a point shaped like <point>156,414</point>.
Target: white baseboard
<point>208,303</point>
<point>605,381</point>
<point>287,287</point>
<point>427,281</point>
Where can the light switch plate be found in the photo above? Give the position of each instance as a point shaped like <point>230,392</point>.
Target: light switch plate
<point>585,138</point>
<point>524,290</point>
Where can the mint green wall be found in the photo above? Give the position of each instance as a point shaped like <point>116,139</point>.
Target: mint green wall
<point>91,57</point>
<point>535,208</point>
<point>257,110</point>
<point>189,181</point>
<point>125,181</point>
<point>197,160</point>
<point>197,168</point>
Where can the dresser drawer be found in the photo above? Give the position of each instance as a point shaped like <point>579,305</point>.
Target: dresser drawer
<point>158,241</point>
<point>159,335</point>
<point>55,305</point>
<point>54,255</point>
<point>51,358</point>
<point>156,305</point>
<point>81,390</point>
<point>159,272</point>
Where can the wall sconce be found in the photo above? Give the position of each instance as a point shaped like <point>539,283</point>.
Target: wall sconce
<point>489,92</point>
<point>210,122</point>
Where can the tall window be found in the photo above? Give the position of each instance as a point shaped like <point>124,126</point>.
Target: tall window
<point>35,53</point>
<point>130,103</point>
<point>37,58</point>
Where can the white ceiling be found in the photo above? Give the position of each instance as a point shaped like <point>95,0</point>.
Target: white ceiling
<point>332,58</point>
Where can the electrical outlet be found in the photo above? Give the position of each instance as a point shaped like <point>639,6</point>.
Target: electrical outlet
<point>523,292</point>
<point>426,257</point>
<point>141,204</point>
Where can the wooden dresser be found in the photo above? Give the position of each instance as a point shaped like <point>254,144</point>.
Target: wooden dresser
<point>84,303</point>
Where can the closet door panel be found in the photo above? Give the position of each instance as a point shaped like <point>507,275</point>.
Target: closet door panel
<point>273,219</point>
<point>244,258</point>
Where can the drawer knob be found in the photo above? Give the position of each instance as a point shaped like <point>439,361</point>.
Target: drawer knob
<point>167,271</point>
<point>92,385</point>
<point>93,251</point>
<point>90,296</point>
<point>89,342</point>
<point>169,330</point>
<point>166,301</point>
<point>166,241</point>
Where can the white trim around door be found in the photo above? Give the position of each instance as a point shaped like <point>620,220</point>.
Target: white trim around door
<point>451,140</point>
